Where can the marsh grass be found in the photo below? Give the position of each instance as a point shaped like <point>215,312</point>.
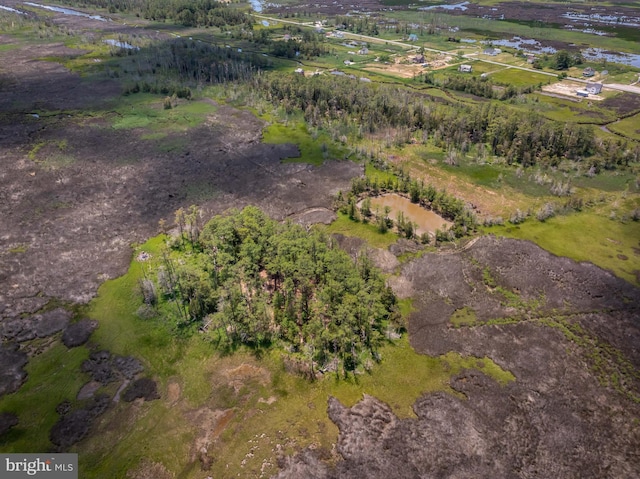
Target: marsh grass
<point>629,127</point>
<point>53,376</point>
<point>315,148</point>
<point>587,236</point>
<point>366,231</point>
<point>275,407</point>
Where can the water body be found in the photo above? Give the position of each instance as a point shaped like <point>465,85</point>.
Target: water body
<point>427,221</point>
<point>67,11</point>
<point>120,44</point>
<point>621,20</point>
<point>592,54</point>
<point>13,10</point>
<point>456,6</point>
<point>265,23</point>
<point>596,54</point>
<point>256,5</point>
<point>524,44</point>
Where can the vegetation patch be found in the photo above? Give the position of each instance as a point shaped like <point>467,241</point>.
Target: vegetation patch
<point>564,236</point>
<point>315,148</point>
<point>247,280</point>
<point>53,377</point>
<point>463,317</point>
<point>629,127</point>
<point>367,231</point>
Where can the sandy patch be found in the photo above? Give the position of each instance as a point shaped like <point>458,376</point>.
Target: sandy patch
<point>569,88</point>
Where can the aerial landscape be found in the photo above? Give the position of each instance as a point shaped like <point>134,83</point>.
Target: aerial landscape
<point>374,239</point>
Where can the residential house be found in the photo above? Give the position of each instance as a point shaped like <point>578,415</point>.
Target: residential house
<point>418,59</point>
<point>363,51</point>
<point>588,72</point>
<point>594,88</point>
<point>492,51</point>
<point>413,37</point>
<point>465,68</point>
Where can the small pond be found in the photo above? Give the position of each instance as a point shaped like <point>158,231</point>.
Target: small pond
<point>119,44</point>
<point>524,44</point>
<point>456,6</point>
<point>427,221</point>
<point>256,5</point>
<point>9,9</point>
<point>67,11</point>
<point>597,54</point>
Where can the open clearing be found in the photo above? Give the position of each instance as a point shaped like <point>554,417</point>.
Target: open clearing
<point>569,88</point>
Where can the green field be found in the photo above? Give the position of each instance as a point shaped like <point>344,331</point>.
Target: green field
<point>519,78</point>
<point>629,127</point>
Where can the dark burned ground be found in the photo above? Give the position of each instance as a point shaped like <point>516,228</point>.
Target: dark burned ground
<point>68,216</point>
<point>75,193</point>
<point>570,333</point>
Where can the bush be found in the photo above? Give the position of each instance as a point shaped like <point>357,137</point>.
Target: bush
<point>517,217</point>
<point>546,211</point>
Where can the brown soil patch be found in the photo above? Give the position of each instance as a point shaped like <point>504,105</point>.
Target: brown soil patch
<point>210,424</point>
<point>568,88</point>
<point>245,373</point>
<point>623,103</point>
<point>148,469</point>
<point>396,69</point>
<point>173,392</point>
<point>486,202</point>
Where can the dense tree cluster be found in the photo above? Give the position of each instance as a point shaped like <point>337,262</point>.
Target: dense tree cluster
<point>190,13</point>
<point>518,136</point>
<point>188,62</point>
<point>478,86</point>
<point>561,60</point>
<point>246,279</point>
<point>357,24</point>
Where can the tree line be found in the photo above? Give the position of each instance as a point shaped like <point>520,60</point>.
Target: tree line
<point>169,67</point>
<point>190,13</point>
<point>482,87</point>
<point>521,137</point>
<point>246,279</point>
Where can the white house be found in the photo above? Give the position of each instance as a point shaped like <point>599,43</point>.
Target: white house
<point>492,51</point>
<point>465,68</point>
